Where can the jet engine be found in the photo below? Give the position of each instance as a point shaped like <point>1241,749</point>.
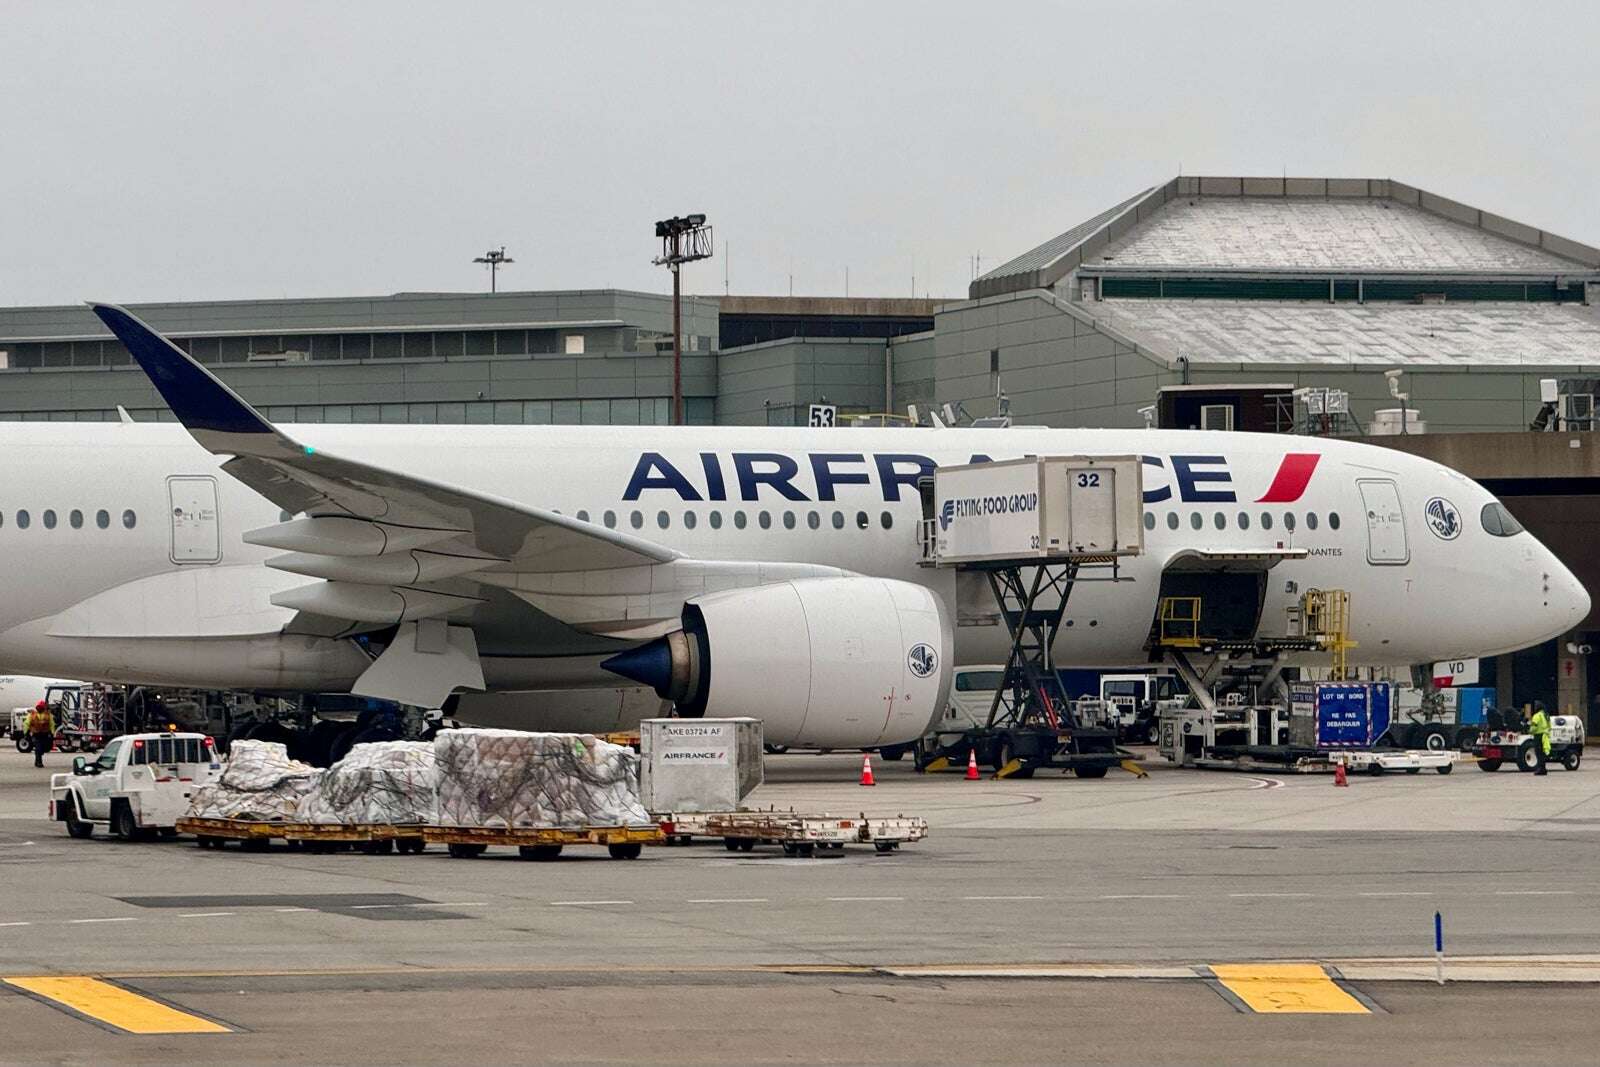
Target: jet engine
<point>850,662</point>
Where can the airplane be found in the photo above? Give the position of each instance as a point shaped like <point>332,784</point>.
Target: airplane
<point>23,691</point>
<point>769,572</point>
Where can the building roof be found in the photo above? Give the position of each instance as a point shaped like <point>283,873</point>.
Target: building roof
<point>1028,265</point>
<point>1291,224</point>
<point>1277,233</point>
<point>1388,334</point>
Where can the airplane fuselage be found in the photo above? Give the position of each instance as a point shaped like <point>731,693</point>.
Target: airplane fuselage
<point>116,570</point>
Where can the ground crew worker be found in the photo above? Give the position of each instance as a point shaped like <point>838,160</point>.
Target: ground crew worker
<point>41,731</point>
<point>1539,727</point>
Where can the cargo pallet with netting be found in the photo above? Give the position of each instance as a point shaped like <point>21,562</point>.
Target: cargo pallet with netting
<point>543,842</point>
<point>255,835</point>
<point>800,834</point>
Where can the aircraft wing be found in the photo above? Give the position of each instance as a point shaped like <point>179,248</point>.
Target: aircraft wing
<point>394,550</point>
<point>304,480</point>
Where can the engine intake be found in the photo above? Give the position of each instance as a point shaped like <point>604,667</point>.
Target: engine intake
<point>826,662</point>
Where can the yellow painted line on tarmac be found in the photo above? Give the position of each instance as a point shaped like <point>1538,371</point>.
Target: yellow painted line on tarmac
<point>115,1006</point>
<point>1287,988</point>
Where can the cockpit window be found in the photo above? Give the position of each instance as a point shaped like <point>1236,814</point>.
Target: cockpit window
<point>1497,521</point>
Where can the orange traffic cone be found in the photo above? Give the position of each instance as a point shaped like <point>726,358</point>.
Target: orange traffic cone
<point>1339,775</point>
<point>972,765</point>
<point>866,770</point>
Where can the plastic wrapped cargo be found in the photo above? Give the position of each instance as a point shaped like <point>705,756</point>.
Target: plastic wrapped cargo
<point>394,782</point>
<point>513,779</point>
<point>259,783</point>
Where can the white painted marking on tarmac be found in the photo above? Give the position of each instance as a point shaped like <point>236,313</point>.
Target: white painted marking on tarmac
<point>454,904</point>
<point>282,911</point>
<point>205,914</point>
<point>1245,895</point>
<point>374,907</point>
<point>1266,783</point>
<point>17,924</point>
<point>728,900</point>
<point>1143,896</point>
<point>842,900</point>
<point>114,919</point>
<point>1002,898</point>
<point>582,903</point>
<point>1534,893</point>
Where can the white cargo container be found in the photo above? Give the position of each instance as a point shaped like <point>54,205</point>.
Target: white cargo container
<point>1037,508</point>
<point>695,765</point>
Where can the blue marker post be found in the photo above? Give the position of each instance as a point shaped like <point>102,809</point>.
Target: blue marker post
<point>1438,945</point>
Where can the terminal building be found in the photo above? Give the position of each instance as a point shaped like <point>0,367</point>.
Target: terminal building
<point>1306,305</point>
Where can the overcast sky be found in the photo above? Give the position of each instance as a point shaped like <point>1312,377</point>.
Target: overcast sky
<point>173,151</point>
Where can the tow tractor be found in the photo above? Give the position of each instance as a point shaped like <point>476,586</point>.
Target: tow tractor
<point>1032,529</point>
<point>1505,741</point>
<point>138,787</point>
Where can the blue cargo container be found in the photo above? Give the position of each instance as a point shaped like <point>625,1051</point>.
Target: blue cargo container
<point>1346,714</point>
<point>1473,704</point>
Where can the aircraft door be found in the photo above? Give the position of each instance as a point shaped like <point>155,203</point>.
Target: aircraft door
<point>196,537</point>
<point>1386,526</point>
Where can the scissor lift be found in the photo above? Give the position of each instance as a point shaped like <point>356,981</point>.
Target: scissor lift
<point>1083,519</point>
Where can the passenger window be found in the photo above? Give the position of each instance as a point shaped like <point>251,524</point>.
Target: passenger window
<point>1220,520</point>
<point>611,520</point>
<point>688,520</point>
<point>788,520</point>
<point>102,519</point>
<point>862,522</point>
<point>1266,520</point>
<point>75,519</point>
<point>838,520</point>
<point>1244,520</point>
<point>24,520</point>
<point>739,520</point>
<point>636,520</point>
<point>1149,520</point>
<point>49,519</point>
<point>887,518</point>
<point>663,519</point>
<point>765,519</point>
<point>1195,521</point>
<point>129,519</point>
<point>583,516</point>
<point>1333,520</point>
<point>813,520</point>
<point>716,520</point>
<point>1172,520</point>
<point>1311,520</point>
<point>1288,521</point>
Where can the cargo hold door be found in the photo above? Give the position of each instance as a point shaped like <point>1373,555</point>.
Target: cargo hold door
<point>1386,525</point>
<point>196,537</point>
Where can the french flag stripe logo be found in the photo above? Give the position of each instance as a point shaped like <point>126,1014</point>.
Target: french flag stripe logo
<point>1294,474</point>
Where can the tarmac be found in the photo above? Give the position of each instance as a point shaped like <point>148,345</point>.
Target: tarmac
<point>1168,919</point>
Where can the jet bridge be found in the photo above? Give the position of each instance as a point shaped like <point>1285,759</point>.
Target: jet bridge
<point>1034,528</point>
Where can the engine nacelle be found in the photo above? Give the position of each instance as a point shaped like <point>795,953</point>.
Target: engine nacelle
<point>825,662</point>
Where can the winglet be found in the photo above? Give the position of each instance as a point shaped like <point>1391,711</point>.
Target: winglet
<point>201,402</point>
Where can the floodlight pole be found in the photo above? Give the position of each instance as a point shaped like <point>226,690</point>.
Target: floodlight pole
<point>494,258</point>
<point>677,348</point>
<point>683,240</point>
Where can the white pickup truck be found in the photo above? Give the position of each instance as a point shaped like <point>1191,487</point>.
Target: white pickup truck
<point>137,788</point>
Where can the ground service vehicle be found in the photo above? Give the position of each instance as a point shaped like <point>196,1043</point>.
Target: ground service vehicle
<point>1138,700</point>
<point>1510,742</point>
<point>138,787</point>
